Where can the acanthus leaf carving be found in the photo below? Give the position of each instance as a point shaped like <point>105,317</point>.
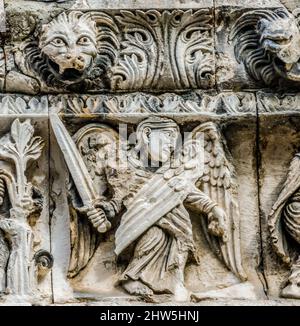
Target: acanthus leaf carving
<point>270,102</point>
<point>228,103</point>
<point>24,105</point>
<point>21,148</point>
<point>173,48</point>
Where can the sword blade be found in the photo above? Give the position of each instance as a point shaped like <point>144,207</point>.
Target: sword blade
<point>74,161</point>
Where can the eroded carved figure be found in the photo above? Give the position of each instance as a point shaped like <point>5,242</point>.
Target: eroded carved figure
<point>268,43</point>
<point>284,225</point>
<point>153,201</point>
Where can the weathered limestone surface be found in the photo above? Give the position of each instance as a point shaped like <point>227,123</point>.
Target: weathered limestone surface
<point>149,152</point>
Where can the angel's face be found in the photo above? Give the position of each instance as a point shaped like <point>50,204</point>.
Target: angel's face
<point>161,144</point>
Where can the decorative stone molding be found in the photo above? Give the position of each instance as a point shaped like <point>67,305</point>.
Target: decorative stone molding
<point>270,102</point>
<point>19,105</point>
<point>133,103</point>
<point>141,103</point>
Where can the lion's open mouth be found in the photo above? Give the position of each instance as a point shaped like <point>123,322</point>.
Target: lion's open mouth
<point>69,74</point>
<point>72,74</point>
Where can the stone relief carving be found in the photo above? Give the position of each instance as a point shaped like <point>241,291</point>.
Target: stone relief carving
<point>72,53</point>
<point>173,48</point>
<point>134,103</point>
<point>267,42</point>
<point>22,204</point>
<point>100,68</point>
<point>142,103</point>
<point>284,228</point>
<point>23,105</point>
<point>132,50</point>
<point>156,201</point>
<point>2,69</point>
<point>270,102</point>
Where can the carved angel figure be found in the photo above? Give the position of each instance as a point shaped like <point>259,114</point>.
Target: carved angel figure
<point>268,43</point>
<point>155,201</point>
<point>284,226</point>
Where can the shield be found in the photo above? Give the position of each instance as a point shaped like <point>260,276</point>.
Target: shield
<point>162,193</point>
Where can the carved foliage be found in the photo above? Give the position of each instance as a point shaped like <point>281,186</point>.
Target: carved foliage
<point>141,103</point>
<point>270,102</point>
<point>173,48</point>
<point>21,147</point>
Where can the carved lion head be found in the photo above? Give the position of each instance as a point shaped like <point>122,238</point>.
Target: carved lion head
<point>268,43</point>
<point>69,44</point>
<point>74,51</point>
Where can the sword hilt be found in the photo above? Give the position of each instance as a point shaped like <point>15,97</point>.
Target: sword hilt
<point>99,220</point>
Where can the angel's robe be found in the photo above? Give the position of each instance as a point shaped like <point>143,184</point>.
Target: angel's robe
<point>286,212</point>
<point>291,216</point>
<point>162,250</point>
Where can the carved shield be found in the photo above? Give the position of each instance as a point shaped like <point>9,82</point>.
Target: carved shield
<point>162,193</point>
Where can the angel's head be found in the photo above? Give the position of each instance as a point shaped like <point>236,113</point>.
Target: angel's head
<point>158,138</point>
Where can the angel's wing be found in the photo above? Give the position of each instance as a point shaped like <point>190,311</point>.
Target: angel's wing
<point>218,183</point>
<point>97,144</point>
<point>291,185</point>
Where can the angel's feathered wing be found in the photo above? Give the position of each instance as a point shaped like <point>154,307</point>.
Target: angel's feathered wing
<point>90,141</point>
<point>290,186</point>
<point>218,183</point>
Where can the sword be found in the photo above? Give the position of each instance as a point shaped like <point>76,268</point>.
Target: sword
<point>79,172</point>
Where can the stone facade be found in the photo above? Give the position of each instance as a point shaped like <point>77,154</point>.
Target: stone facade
<point>149,152</point>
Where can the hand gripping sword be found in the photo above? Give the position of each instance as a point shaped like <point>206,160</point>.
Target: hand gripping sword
<point>78,170</point>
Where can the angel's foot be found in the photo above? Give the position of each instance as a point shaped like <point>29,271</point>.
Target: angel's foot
<point>292,291</point>
<point>181,294</point>
<point>137,288</point>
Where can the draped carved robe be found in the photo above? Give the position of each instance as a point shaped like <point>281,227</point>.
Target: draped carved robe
<point>163,248</point>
